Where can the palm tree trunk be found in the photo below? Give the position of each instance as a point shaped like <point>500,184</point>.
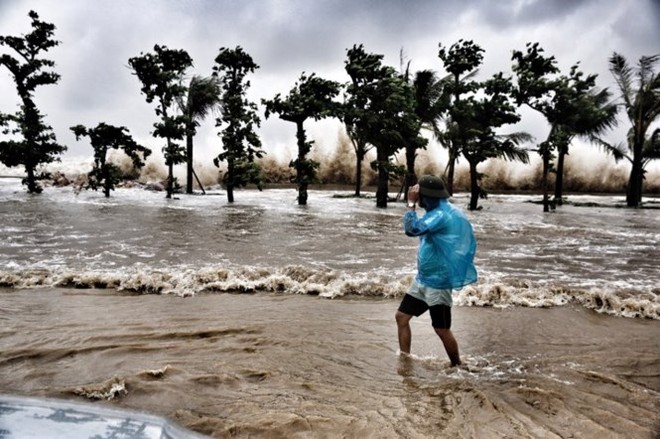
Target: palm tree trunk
<point>189,159</point>
<point>474,186</point>
<point>545,183</point>
<point>451,166</point>
<point>359,154</point>
<point>411,177</point>
<point>634,190</point>
<point>300,164</point>
<point>383,179</point>
<point>106,178</point>
<point>230,181</point>
<point>33,188</point>
<point>559,183</point>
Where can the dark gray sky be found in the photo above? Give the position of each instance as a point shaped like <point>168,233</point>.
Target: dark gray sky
<point>287,37</point>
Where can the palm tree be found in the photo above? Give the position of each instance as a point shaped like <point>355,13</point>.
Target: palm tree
<point>594,114</point>
<point>431,102</point>
<point>202,98</point>
<point>650,150</point>
<point>641,101</point>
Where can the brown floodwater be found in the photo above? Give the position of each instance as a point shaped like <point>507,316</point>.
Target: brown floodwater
<point>282,366</point>
<point>265,319</point>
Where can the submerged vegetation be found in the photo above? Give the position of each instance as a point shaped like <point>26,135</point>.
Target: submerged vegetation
<point>384,112</point>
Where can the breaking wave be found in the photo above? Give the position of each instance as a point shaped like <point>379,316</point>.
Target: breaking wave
<point>586,170</point>
<point>296,279</point>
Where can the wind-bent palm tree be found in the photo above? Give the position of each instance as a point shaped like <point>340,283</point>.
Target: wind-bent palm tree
<point>202,98</point>
<point>431,103</point>
<point>640,92</point>
<point>431,99</point>
<point>594,114</point>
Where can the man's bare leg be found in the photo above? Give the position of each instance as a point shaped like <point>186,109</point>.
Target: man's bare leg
<point>451,346</point>
<point>405,334</point>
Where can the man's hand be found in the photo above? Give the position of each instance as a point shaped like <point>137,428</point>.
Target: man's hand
<point>413,194</point>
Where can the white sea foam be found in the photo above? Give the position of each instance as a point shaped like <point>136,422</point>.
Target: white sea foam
<point>113,389</point>
<point>295,279</point>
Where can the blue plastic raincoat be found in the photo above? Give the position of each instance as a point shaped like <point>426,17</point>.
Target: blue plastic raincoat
<point>445,259</point>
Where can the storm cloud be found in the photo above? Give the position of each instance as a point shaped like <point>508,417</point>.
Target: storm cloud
<point>288,37</point>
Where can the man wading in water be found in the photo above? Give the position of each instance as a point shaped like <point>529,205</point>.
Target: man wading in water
<point>445,261</point>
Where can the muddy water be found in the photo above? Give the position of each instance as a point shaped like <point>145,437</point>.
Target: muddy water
<point>268,365</point>
<point>266,319</point>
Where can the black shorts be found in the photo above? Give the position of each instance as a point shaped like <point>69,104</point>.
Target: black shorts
<point>440,314</point>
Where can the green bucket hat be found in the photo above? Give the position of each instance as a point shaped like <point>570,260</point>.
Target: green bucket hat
<point>432,186</point>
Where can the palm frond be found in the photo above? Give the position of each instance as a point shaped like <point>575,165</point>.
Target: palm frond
<point>609,109</point>
<point>618,150</point>
<point>623,75</point>
<point>653,91</point>
<point>597,113</point>
<point>470,75</point>
<point>431,101</point>
<point>425,80</point>
<point>646,68</point>
<point>203,96</point>
<point>519,137</point>
<point>652,146</point>
<point>511,152</point>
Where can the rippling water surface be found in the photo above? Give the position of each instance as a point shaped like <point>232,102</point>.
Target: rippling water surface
<point>601,257</point>
<point>560,335</point>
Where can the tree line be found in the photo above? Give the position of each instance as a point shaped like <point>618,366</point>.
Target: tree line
<point>382,109</point>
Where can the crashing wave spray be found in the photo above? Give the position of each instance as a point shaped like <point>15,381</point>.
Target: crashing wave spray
<point>586,170</point>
